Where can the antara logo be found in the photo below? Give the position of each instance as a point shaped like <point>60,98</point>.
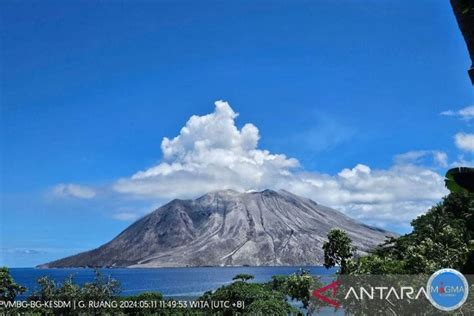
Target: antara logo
<point>333,287</point>
<point>447,290</point>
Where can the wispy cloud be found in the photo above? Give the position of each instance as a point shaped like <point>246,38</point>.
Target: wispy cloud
<point>463,161</point>
<point>73,190</point>
<point>466,113</point>
<point>463,141</point>
<point>325,134</point>
<point>22,251</point>
<point>439,158</point>
<point>127,217</point>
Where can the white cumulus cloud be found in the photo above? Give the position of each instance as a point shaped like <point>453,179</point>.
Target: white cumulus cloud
<point>73,190</point>
<point>464,141</point>
<point>212,153</point>
<point>386,196</point>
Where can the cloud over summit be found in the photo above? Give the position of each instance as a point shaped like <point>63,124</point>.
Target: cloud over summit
<point>212,153</point>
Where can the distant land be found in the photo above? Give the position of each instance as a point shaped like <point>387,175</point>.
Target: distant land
<point>228,228</point>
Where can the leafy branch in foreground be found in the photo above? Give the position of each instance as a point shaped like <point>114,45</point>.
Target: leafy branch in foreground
<point>460,180</point>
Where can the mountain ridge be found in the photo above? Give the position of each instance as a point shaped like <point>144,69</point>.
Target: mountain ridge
<point>228,228</point>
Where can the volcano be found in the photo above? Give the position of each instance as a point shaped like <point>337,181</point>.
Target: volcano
<point>228,228</point>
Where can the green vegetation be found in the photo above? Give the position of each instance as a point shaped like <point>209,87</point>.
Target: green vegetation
<point>298,286</point>
<point>338,250</point>
<point>466,6</point>
<point>266,298</point>
<point>100,289</point>
<point>270,307</point>
<point>460,180</point>
<point>255,297</point>
<point>243,277</point>
<point>441,238</point>
<point>8,288</point>
<point>269,298</point>
<point>134,302</point>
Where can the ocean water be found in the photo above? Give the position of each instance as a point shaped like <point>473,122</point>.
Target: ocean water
<point>171,282</point>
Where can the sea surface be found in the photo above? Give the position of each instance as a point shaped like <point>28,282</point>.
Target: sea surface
<point>171,282</point>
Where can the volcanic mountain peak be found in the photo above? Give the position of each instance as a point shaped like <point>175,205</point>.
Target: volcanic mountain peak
<point>226,228</point>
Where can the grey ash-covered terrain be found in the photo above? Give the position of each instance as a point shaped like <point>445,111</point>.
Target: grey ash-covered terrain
<point>228,228</point>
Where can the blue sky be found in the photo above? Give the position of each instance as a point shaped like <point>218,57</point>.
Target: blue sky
<point>89,90</point>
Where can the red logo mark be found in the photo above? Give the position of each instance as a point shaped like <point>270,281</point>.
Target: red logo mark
<point>441,288</point>
<point>332,286</point>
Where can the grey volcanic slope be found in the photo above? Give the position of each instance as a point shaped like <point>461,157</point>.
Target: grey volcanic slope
<point>227,228</point>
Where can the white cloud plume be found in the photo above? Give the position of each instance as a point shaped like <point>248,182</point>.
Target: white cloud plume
<point>73,190</point>
<point>464,141</point>
<point>211,153</point>
<point>466,113</point>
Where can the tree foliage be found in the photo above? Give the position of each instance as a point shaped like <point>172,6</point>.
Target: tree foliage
<point>251,298</point>
<point>259,298</point>
<point>338,250</point>
<point>100,289</point>
<point>298,286</point>
<point>441,238</point>
<point>269,307</point>
<point>243,277</point>
<point>140,299</point>
<point>460,180</point>
<point>9,289</point>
